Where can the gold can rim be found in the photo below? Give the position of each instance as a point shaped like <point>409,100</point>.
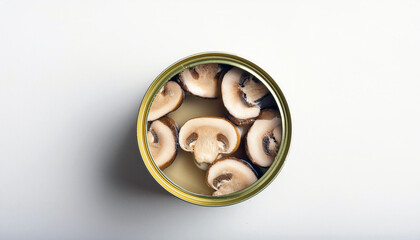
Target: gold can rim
<point>221,58</point>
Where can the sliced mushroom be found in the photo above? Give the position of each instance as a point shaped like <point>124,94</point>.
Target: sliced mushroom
<point>208,138</point>
<point>168,99</point>
<point>201,80</point>
<point>162,139</point>
<point>230,174</point>
<point>263,138</point>
<point>243,96</point>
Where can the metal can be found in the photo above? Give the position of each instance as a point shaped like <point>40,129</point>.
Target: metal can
<point>220,58</point>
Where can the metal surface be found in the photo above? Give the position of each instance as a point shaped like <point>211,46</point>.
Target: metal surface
<point>221,58</point>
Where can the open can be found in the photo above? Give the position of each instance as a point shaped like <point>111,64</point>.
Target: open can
<point>234,61</point>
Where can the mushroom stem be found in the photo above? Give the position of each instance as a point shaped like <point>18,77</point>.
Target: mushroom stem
<point>206,150</point>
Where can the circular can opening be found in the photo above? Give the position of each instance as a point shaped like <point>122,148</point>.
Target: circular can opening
<point>214,129</point>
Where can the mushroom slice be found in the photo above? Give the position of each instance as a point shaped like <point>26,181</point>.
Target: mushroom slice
<point>263,138</point>
<point>201,80</point>
<point>162,139</point>
<point>230,174</point>
<point>208,138</point>
<point>168,99</point>
<point>243,96</point>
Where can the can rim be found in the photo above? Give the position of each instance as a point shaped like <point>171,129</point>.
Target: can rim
<point>222,58</point>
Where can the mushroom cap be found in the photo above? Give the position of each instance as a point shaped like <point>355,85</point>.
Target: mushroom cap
<point>264,138</point>
<point>168,99</point>
<point>162,139</point>
<point>208,137</point>
<point>201,80</point>
<point>230,174</point>
<point>241,94</point>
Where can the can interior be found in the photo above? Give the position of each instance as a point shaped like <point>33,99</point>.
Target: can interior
<point>167,178</point>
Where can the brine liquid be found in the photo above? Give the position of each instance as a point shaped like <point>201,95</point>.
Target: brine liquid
<point>183,171</point>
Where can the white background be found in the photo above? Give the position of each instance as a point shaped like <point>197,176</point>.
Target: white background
<point>73,73</point>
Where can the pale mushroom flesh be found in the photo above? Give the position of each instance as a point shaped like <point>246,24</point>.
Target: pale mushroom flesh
<point>201,80</point>
<point>162,139</point>
<point>243,96</point>
<point>228,175</point>
<point>168,99</point>
<point>264,138</point>
<point>208,138</point>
